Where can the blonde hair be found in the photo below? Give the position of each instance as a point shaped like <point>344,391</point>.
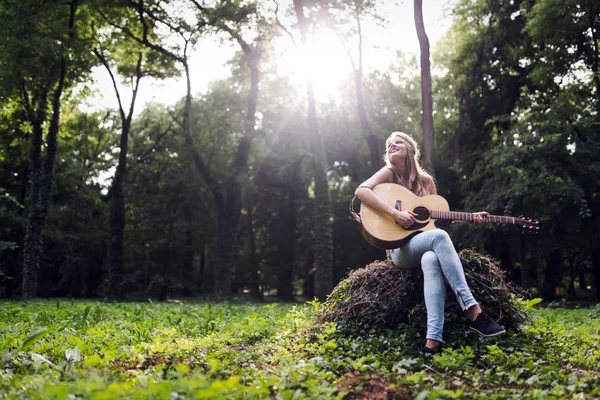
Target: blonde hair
<point>414,178</point>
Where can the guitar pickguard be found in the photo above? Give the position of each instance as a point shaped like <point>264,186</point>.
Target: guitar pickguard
<point>417,226</point>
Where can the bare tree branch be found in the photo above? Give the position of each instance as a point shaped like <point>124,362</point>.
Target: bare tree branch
<point>104,62</point>
<point>281,25</point>
<point>156,143</point>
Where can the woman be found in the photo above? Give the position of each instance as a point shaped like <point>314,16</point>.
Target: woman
<point>432,250</point>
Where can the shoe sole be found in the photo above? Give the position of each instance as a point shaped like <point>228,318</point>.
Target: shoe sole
<point>502,332</point>
<point>428,351</point>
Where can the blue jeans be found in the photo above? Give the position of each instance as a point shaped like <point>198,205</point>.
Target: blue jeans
<point>434,251</point>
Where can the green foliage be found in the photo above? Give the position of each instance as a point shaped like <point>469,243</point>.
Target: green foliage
<point>521,115</point>
<point>95,350</point>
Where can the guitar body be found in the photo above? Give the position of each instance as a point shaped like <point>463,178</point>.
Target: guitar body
<point>382,231</point>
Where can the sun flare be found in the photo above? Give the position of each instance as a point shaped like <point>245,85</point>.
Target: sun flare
<point>326,60</point>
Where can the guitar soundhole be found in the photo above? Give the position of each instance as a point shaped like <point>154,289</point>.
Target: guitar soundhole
<point>422,213</point>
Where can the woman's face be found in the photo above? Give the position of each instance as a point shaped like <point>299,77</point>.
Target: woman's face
<point>397,151</point>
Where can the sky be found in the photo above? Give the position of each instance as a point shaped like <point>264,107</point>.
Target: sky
<point>380,47</point>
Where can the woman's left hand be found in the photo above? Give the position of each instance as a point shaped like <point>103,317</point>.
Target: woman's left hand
<point>480,218</point>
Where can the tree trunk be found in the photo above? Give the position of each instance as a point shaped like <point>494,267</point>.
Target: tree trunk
<point>572,275</point>
<point>163,293</point>
<point>189,253</point>
<point>426,96</point>
<point>116,232</point>
<point>581,273</point>
<point>229,216</point>
<point>13,262</point>
<point>32,244</point>
<point>360,101</point>
<point>202,268</point>
<point>364,123</point>
<point>255,272</point>
<point>116,229</point>
<point>94,277</point>
<point>285,275</point>
<point>596,271</point>
<point>322,224</point>
<point>223,254</point>
<point>552,275</point>
<point>42,176</point>
<point>41,190</point>
<point>227,221</point>
<point>227,196</point>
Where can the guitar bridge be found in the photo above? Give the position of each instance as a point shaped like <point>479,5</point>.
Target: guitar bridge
<point>398,205</point>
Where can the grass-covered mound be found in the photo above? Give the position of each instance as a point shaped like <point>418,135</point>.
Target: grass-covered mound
<point>384,295</point>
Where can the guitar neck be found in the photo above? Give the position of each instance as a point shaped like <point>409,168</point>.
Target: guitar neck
<point>465,216</point>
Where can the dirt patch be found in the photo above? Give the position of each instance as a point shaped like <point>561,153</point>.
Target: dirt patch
<point>241,348</point>
<point>370,386</point>
<point>582,372</point>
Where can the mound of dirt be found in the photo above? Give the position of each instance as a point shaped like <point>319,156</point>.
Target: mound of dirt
<point>384,295</point>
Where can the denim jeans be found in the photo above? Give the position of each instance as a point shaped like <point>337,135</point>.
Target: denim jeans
<point>434,251</point>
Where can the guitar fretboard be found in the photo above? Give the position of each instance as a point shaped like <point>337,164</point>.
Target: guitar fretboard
<point>465,216</point>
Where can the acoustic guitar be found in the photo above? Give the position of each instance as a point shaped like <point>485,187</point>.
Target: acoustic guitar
<point>432,211</point>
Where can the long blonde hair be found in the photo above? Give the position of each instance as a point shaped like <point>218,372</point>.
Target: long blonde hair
<point>414,178</point>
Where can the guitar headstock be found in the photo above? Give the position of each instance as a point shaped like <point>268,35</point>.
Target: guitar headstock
<point>528,224</point>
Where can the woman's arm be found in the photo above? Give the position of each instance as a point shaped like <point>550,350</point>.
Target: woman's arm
<point>365,193</point>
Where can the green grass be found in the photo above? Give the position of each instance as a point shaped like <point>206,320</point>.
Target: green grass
<point>75,349</point>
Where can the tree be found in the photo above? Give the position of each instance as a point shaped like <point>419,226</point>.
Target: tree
<point>117,210</point>
<point>228,195</point>
<point>74,242</point>
<point>40,80</point>
<point>168,220</point>
<point>524,135</point>
<point>133,61</point>
<point>14,157</point>
<point>426,96</point>
<point>322,226</point>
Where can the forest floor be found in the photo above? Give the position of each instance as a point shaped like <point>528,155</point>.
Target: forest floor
<point>98,350</point>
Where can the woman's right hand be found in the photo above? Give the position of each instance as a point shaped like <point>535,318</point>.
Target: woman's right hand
<point>404,218</point>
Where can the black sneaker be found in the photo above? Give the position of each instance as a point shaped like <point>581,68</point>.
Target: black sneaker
<point>486,326</point>
<point>427,351</point>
